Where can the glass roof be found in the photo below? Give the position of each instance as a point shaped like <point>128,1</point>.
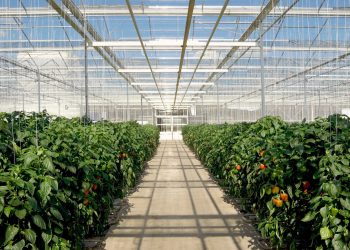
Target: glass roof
<point>239,54</point>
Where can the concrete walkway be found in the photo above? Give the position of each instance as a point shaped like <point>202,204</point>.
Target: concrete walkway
<point>177,206</point>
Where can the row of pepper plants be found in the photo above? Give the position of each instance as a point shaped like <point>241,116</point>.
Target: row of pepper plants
<point>295,177</point>
<point>59,177</point>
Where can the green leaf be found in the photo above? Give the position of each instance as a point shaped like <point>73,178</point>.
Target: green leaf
<point>16,149</point>
<point>345,203</point>
<point>290,191</point>
<point>18,246</point>
<point>344,169</point>
<point>30,186</point>
<point>334,221</point>
<point>324,212</point>
<point>46,237</point>
<point>62,197</point>
<point>315,199</point>
<point>47,162</point>
<point>338,148</point>
<point>338,244</point>
<point>345,162</point>
<point>58,230</point>
<point>334,211</point>
<point>335,169</point>
<point>86,185</point>
<point>54,184</point>
<point>45,189</point>
<point>29,158</point>
<point>270,207</point>
<point>268,190</point>
<point>3,190</point>
<point>55,239</point>
<point>345,213</point>
<point>72,169</point>
<point>11,232</point>
<point>56,213</point>
<point>15,202</point>
<point>262,192</point>
<point>8,210</point>
<point>309,216</point>
<point>333,189</point>
<point>32,203</point>
<point>30,235</point>
<point>326,233</point>
<point>39,221</point>
<point>21,213</point>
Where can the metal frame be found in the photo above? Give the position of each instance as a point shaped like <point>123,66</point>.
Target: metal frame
<point>184,45</point>
<point>247,52</point>
<point>167,11</point>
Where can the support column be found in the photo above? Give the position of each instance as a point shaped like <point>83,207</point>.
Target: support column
<point>172,128</point>
<point>202,108</point>
<point>153,116</point>
<point>141,111</point>
<point>86,81</point>
<point>262,73</point>
<point>39,91</point>
<point>305,102</point>
<point>23,102</point>
<point>115,112</point>
<point>127,103</point>
<point>187,117</point>
<point>224,113</point>
<point>59,107</point>
<point>283,110</point>
<point>217,104</point>
<point>319,102</point>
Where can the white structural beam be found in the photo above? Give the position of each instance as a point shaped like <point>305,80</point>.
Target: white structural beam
<point>229,81</point>
<point>171,70</point>
<point>155,98</point>
<point>206,45</point>
<point>232,82</point>
<point>168,47</point>
<point>191,5</point>
<point>171,92</point>
<point>171,84</point>
<point>169,43</point>
<point>189,68</point>
<point>244,37</point>
<point>142,45</point>
<point>199,10</point>
<point>88,33</point>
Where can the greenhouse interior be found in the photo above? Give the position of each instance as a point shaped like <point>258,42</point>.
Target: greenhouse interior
<point>175,124</point>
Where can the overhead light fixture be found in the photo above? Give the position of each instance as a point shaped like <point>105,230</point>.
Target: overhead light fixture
<point>171,84</point>
<point>172,92</point>
<point>171,70</point>
<point>172,44</point>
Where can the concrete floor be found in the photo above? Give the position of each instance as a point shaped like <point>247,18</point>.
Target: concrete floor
<point>178,206</point>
